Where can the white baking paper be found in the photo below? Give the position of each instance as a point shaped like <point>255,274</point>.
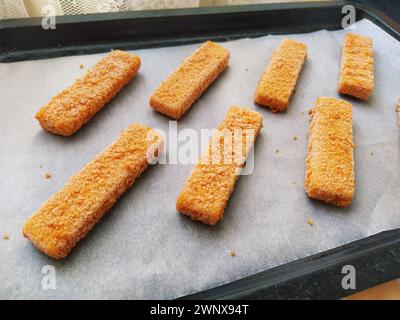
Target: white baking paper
<point>143,248</point>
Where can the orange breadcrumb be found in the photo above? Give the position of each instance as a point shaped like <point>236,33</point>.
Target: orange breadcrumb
<point>75,106</point>
<point>357,70</point>
<point>183,87</point>
<point>213,179</point>
<point>69,215</point>
<point>278,82</point>
<point>330,162</point>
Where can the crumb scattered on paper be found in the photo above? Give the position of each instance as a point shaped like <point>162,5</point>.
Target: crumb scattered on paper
<point>398,113</point>
<point>47,175</point>
<point>372,153</point>
<point>81,66</point>
<point>309,111</point>
<point>295,138</point>
<point>302,113</point>
<point>6,236</point>
<point>232,253</point>
<point>40,166</point>
<point>310,221</point>
<point>277,151</point>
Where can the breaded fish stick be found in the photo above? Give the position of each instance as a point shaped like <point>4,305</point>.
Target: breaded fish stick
<point>278,82</point>
<point>213,179</point>
<point>72,212</point>
<point>357,70</point>
<point>75,106</point>
<point>183,87</point>
<point>330,162</point>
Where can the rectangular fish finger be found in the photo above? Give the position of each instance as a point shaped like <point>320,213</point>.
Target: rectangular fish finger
<point>357,70</point>
<point>213,179</point>
<point>72,212</point>
<point>68,111</point>
<point>184,86</point>
<point>398,113</point>
<point>278,83</point>
<point>330,160</point>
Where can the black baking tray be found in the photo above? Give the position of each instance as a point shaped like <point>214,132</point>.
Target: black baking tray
<point>376,258</point>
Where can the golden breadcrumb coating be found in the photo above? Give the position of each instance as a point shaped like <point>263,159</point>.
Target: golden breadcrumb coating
<point>357,70</point>
<point>75,106</point>
<point>213,179</point>
<point>69,215</point>
<point>330,162</point>
<point>183,87</point>
<point>278,82</point>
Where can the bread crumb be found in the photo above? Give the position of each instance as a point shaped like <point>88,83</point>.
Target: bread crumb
<point>247,69</point>
<point>6,236</point>
<point>310,111</point>
<point>398,111</point>
<point>40,166</point>
<point>277,151</point>
<point>310,221</point>
<point>47,175</point>
<point>232,253</point>
<point>295,138</point>
<point>294,182</point>
<point>302,113</point>
<point>81,66</point>
<point>372,153</point>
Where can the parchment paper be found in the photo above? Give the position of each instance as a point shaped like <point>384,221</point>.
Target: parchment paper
<point>143,248</point>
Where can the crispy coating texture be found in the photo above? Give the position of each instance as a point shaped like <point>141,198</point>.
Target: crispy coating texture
<point>279,80</point>
<point>72,108</point>
<point>213,179</point>
<point>71,213</point>
<point>183,87</point>
<point>330,162</point>
<point>357,70</point>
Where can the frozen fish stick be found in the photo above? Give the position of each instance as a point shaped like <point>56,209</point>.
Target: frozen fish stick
<point>72,212</point>
<point>330,162</point>
<point>213,179</point>
<point>183,87</point>
<point>357,71</point>
<point>75,106</point>
<point>278,82</point>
